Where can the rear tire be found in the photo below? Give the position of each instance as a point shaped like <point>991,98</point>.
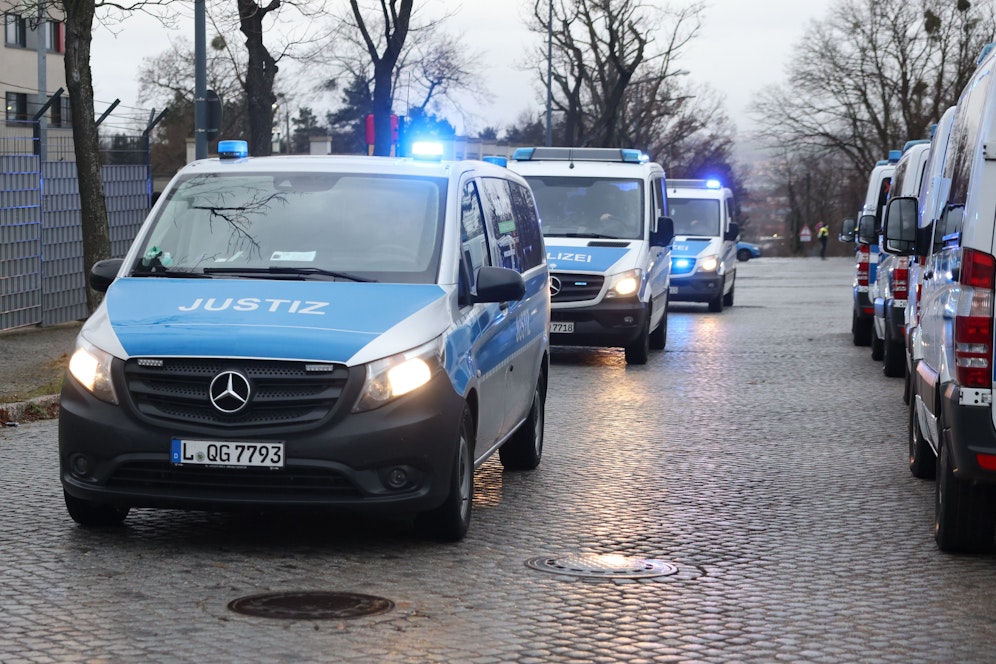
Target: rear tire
<point>524,449</point>
<point>861,330</point>
<point>449,522</point>
<point>893,357</point>
<point>877,347</point>
<point>94,515</point>
<point>963,513</point>
<point>923,465</point>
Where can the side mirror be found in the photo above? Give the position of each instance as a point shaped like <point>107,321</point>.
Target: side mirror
<point>663,235</point>
<point>498,284</point>
<point>103,273</point>
<point>733,232</point>
<point>867,233</point>
<point>848,227</point>
<point>899,227</point>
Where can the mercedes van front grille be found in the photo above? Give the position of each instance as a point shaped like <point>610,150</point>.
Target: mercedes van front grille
<point>232,394</point>
<point>568,287</point>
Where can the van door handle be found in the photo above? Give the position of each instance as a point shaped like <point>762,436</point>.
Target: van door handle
<point>929,274</point>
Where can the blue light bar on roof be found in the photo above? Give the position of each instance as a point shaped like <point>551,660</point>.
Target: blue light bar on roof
<point>523,154</point>
<point>495,159</point>
<point>713,183</point>
<point>894,155</point>
<point>427,150</point>
<point>233,149</point>
<point>632,156</point>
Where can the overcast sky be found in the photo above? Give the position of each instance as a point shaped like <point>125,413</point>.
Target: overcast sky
<point>743,46</point>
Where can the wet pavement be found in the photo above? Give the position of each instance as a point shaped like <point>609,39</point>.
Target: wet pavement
<point>760,461</point>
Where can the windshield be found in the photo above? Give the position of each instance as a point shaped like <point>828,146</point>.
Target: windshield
<point>694,216</point>
<point>298,225</point>
<point>589,207</point>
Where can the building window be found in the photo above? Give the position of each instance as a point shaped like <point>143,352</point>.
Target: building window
<point>59,112</point>
<point>55,37</point>
<point>16,30</point>
<point>17,107</point>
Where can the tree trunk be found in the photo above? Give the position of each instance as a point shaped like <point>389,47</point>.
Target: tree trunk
<point>93,207</point>
<point>260,73</point>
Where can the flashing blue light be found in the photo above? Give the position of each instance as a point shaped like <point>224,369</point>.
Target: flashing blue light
<point>428,150</point>
<point>495,159</point>
<point>631,156</point>
<point>523,154</point>
<point>233,149</point>
<point>682,265</point>
<point>713,184</point>
<point>985,51</point>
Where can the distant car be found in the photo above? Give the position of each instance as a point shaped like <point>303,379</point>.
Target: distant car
<point>747,251</point>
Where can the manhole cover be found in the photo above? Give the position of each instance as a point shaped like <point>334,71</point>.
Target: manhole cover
<point>610,566</point>
<point>311,605</point>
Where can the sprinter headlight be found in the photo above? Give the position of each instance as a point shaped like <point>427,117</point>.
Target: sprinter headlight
<point>625,283</point>
<point>91,367</point>
<point>708,263</point>
<point>393,376</point>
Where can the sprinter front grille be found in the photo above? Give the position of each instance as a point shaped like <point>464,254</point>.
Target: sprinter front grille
<point>566,287</point>
<point>265,393</point>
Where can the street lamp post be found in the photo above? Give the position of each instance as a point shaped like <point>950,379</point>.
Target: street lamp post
<point>549,76</point>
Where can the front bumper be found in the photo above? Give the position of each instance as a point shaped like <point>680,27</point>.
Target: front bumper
<point>608,324</point>
<point>696,287</point>
<point>113,454</point>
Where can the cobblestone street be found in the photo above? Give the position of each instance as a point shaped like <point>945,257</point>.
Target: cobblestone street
<point>762,455</point>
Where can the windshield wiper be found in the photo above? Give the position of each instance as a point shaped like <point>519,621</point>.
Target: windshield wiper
<point>598,236</point>
<point>290,271</point>
<point>171,274</point>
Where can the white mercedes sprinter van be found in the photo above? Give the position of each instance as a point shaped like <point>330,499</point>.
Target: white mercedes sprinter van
<point>603,212</point>
<point>704,257</point>
<point>953,419</point>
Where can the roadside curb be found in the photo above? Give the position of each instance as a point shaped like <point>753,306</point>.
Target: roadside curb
<point>40,408</point>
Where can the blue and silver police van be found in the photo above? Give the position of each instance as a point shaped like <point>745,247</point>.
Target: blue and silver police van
<point>313,332</point>
<point>704,256</point>
<point>608,245</point>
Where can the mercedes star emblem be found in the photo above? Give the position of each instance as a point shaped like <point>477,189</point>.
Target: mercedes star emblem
<point>229,392</point>
<point>554,285</point>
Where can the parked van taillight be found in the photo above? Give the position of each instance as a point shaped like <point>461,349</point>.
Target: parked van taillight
<point>900,280</point>
<point>973,335</point>
<point>864,261</point>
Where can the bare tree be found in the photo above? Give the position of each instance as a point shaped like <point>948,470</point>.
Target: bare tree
<point>874,74</point>
<point>615,78</point>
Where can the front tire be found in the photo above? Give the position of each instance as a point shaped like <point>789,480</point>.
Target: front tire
<point>658,338</point>
<point>716,303</point>
<point>94,515</point>
<point>728,298</point>
<point>743,255</point>
<point>449,522</point>
<point>963,513</point>
<point>861,329</point>
<point>524,449</point>
<point>638,351</point>
<point>877,346</point>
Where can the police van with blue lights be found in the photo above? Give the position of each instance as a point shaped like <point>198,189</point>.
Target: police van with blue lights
<point>608,245</point>
<point>352,333</point>
<point>704,256</point>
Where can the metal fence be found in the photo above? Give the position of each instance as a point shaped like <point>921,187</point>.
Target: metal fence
<point>42,276</point>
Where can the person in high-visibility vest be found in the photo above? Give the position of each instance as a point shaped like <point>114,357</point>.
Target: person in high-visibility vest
<point>823,234</point>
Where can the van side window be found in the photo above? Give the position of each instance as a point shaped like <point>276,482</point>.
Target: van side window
<point>660,200</point>
<point>511,217</point>
<point>474,245</point>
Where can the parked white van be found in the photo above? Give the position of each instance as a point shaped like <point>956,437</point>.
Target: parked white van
<point>608,238</point>
<point>704,257</point>
<point>888,292</point>
<point>953,418</point>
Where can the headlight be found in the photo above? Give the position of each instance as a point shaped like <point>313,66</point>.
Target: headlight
<point>92,368</point>
<point>625,283</point>
<point>708,263</point>
<point>399,374</point>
